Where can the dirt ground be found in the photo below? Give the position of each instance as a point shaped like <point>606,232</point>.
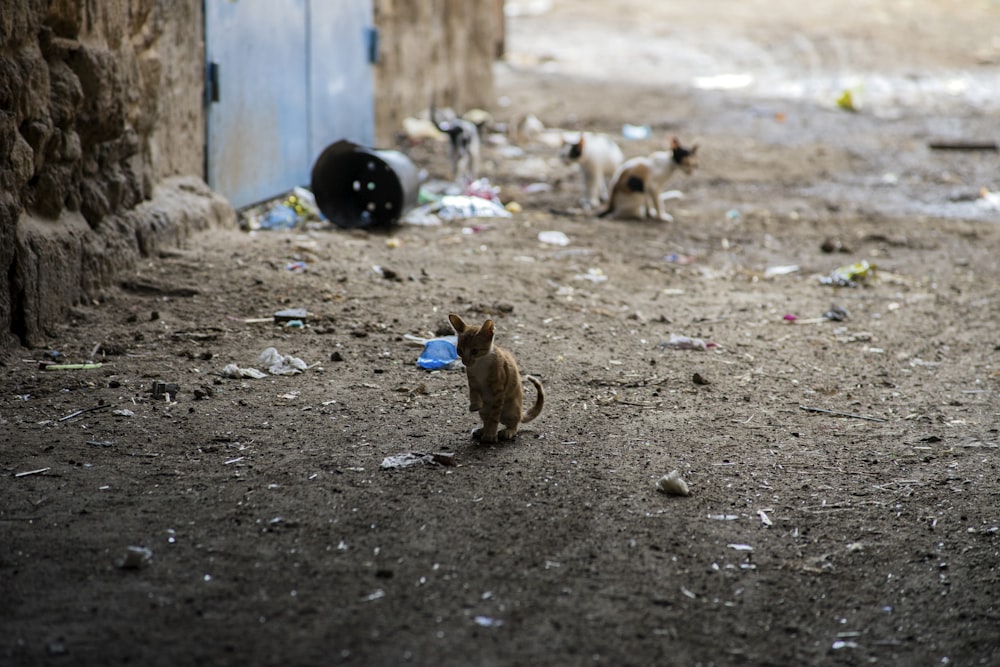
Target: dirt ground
<point>866,534</point>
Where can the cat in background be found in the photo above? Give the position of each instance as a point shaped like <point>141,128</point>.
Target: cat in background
<point>495,390</point>
<point>636,186</point>
<point>463,140</point>
<point>598,157</point>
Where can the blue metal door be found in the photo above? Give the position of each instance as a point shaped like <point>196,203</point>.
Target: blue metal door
<point>285,78</point>
<point>342,89</point>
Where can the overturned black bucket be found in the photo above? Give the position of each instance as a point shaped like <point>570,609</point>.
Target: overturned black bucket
<point>356,186</point>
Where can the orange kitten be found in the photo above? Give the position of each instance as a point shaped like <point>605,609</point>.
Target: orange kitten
<point>495,390</point>
<point>636,186</point>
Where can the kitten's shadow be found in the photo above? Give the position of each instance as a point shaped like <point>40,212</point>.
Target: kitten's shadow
<point>470,449</point>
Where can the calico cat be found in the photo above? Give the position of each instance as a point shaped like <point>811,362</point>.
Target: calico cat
<point>495,390</point>
<point>598,156</point>
<point>636,186</point>
<point>463,138</point>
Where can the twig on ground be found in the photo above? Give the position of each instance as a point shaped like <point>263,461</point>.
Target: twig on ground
<point>80,412</point>
<point>842,414</point>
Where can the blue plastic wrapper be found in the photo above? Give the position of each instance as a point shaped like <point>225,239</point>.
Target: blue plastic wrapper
<point>438,353</point>
<point>280,217</point>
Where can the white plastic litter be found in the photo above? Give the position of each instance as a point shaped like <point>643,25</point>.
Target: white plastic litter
<point>553,238</point>
<point>673,484</point>
<point>234,372</point>
<point>278,364</point>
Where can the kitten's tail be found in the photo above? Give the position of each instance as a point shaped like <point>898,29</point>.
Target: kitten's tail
<point>536,409</point>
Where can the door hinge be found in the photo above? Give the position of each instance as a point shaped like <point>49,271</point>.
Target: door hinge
<point>372,38</point>
<point>211,83</point>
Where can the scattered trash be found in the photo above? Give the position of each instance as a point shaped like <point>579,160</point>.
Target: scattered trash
<point>100,443</point>
<point>378,594</point>
<point>488,622</point>
<point>296,267</point>
<point>534,188</point>
<point>553,238</point>
<point>962,145</point>
<point>279,217</point>
<point>836,313</point>
<point>764,518</point>
<point>842,414</point>
<point>77,413</point>
<point>135,558</point>
<point>677,342</point>
<point>234,372</point>
<point>733,214</point>
<point>457,207</point>
<point>125,412</point>
<point>683,260</point>
<point>673,484</point>
<point>772,271</point>
<point>32,472</point>
<point>833,245</point>
<point>790,318</point>
<point>727,81</point>
<point>699,380</point>
<point>289,314</point>
<point>278,364</point>
<point>356,186</point>
<point>165,390</point>
<point>988,200</point>
<point>849,276</point>
<point>840,643</point>
<point>740,547</point>
<point>483,189</point>
<point>592,275</point>
<point>408,459</point>
<point>846,101</point>
<point>636,132</point>
<point>439,353</point>
<point>68,367</point>
<point>294,324</point>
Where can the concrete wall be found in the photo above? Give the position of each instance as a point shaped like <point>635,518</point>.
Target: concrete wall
<point>102,131</point>
<point>440,47</point>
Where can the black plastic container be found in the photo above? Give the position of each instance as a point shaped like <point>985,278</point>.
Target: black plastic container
<point>358,187</point>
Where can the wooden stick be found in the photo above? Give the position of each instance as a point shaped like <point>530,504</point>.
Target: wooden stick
<point>960,145</point>
<point>80,412</point>
<point>32,472</point>
<point>842,414</point>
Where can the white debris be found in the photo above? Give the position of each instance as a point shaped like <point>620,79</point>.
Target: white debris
<point>278,364</point>
<point>135,558</point>
<point>234,372</point>
<point>673,484</point>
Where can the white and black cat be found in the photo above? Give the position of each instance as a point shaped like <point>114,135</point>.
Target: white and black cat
<point>636,186</point>
<point>463,138</point>
<point>598,157</point>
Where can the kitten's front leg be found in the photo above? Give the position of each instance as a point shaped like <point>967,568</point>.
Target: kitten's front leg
<point>491,422</point>
<point>475,400</point>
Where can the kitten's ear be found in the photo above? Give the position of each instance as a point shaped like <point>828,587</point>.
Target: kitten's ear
<point>457,322</point>
<point>487,328</point>
<point>674,143</point>
<point>579,144</point>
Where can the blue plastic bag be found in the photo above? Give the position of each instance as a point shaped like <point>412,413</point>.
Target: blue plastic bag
<point>438,353</point>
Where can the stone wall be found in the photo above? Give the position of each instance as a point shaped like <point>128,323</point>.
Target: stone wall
<point>101,117</point>
<point>102,132</point>
<point>444,48</point>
